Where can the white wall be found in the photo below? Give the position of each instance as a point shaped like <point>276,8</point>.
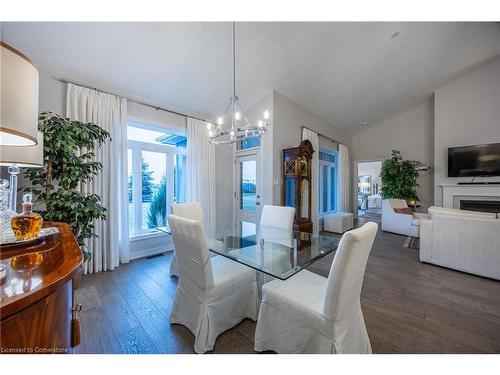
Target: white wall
<point>254,114</point>
<point>467,113</point>
<point>411,132</point>
<point>52,95</point>
<point>288,117</point>
<point>156,117</point>
<point>223,185</point>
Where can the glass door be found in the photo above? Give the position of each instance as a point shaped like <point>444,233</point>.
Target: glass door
<point>247,194</point>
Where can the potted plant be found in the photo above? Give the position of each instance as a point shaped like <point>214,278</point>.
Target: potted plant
<point>68,164</point>
<point>399,178</point>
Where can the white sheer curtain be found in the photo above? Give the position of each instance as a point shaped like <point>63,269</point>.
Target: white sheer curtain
<point>314,139</point>
<point>344,180</point>
<point>200,168</point>
<point>111,247</point>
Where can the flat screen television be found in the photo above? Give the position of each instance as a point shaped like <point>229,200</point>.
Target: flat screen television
<point>476,160</point>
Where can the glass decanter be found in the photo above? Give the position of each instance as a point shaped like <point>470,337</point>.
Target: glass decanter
<point>28,223</point>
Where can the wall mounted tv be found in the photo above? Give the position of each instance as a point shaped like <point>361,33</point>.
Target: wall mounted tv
<point>477,160</point>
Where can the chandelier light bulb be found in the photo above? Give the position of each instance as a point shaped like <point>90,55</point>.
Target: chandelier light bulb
<point>261,124</point>
<point>209,126</point>
<point>219,121</point>
<point>237,116</point>
<point>266,114</point>
<point>210,133</point>
<point>231,133</point>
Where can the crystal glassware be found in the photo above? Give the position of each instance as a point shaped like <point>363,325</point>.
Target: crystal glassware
<point>6,214</point>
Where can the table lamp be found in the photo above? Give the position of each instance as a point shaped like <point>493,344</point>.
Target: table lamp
<point>16,157</point>
<point>18,98</point>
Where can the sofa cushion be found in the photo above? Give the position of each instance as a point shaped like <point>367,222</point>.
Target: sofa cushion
<point>434,210</point>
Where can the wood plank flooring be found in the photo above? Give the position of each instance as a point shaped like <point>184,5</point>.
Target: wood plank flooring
<point>408,306</point>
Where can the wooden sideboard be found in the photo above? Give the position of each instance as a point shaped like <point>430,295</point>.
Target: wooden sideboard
<point>36,296</point>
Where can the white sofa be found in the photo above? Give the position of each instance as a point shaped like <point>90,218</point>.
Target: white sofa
<point>462,240</point>
<point>407,225</point>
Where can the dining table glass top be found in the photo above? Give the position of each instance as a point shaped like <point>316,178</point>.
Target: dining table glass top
<point>269,250</point>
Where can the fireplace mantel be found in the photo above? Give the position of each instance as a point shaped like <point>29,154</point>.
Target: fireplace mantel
<point>450,191</point>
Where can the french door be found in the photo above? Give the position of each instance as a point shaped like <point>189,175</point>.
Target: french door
<point>247,205</point>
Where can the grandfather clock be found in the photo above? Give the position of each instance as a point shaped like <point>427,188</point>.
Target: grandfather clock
<point>297,184</point>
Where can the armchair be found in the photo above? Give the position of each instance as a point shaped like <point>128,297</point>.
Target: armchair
<point>405,224</point>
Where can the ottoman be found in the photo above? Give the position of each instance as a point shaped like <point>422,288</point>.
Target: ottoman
<point>338,222</point>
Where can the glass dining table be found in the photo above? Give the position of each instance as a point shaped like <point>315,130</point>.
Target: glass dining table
<point>270,251</point>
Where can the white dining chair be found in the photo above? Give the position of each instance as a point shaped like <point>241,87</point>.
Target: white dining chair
<point>308,313</point>
<point>274,240</point>
<point>276,224</point>
<point>214,293</point>
<point>189,211</point>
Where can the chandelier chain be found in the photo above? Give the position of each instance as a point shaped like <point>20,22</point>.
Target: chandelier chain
<point>239,128</point>
<point>234,58</point>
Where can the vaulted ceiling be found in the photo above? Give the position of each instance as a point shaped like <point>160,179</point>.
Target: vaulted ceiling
<point>346,73</point>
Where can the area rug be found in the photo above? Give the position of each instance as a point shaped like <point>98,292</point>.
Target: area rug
<point>412,243</point>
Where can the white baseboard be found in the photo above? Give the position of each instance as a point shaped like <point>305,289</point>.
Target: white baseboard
<point>151,251</point>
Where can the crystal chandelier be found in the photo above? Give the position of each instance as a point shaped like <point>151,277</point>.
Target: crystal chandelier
<point>239,128</point>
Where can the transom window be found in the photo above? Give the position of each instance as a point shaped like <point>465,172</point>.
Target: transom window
<point>248,143</point>
<point>156,175</point>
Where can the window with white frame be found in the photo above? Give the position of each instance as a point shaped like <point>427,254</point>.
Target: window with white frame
<point>156,175</point>
<point>327,181</point>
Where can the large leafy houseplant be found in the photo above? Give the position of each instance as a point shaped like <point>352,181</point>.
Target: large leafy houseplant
<point>69,149</point>
<point>399,177</point>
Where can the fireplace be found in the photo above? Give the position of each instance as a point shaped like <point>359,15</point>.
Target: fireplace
<point>480,205</point>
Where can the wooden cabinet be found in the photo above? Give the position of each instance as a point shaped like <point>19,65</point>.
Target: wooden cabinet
<point>36,297</point>
<point>44,327</point>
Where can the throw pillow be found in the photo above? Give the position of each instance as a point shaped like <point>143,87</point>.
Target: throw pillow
<point>404,210</point>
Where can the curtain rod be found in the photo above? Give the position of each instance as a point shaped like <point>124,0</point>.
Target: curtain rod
<point>324,136</point>
<point>158,108</point>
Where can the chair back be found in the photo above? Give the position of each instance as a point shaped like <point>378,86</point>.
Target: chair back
<point>276,224</point>
<point>345,280</point>
<point>192,252</point>
<point>191,211</point>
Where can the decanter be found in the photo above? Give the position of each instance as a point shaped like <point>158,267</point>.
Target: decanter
<point>28,223</point>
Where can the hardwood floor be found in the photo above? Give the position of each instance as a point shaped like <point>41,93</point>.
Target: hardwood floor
<point>409,307</point>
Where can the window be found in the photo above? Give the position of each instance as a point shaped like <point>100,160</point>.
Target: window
<point>327,181</point>
<point>248,185</point>
<point>248,143</point>
<point>156,175</point>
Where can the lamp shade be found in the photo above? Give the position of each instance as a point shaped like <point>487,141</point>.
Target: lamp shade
<point>18,98</point>
<point>29,156</point>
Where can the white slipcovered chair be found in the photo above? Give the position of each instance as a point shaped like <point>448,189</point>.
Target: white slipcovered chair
<point>276,224</point>
<point>308,313</point>
<point>213,294</point>
<point>276,231</point>
<point>191,211</point>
